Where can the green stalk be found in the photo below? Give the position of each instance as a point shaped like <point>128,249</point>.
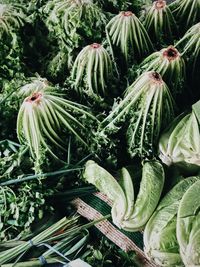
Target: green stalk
<point>13,253</point>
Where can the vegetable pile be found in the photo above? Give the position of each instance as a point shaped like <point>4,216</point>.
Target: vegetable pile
<point>107,93</point>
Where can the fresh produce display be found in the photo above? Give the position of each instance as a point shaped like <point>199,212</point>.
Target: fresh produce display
<point>99,122</point>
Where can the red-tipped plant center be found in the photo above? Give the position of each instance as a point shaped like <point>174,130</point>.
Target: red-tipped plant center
<point>160,4</point>
<point>95,45</point>
<point>171,53</point>
<point>34,98</point>
<point>156,77</point>
<point>126,13</point>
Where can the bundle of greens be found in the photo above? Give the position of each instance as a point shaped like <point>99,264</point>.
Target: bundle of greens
<point>46,119</point>
<point>20,207</point>
<point>64,224</point>
<point>179,144</point>
<point>169,63</point>
<point>127,35</point>
<point>160,23</point>
<point>93,72</point>
<point>145,110</point>
<point>127,213</point>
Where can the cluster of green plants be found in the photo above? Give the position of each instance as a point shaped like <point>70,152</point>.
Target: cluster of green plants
<point>115,83</point>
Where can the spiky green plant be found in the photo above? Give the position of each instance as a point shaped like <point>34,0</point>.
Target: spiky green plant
<point>169,63</point>
<point>145,110</point>
<point>126,33</point>
<point>159,22</point>
<point>190,45</point>
<point>45,118</point>
<point>186,12</point>
<point>92,71</point>
<point>70,21</point>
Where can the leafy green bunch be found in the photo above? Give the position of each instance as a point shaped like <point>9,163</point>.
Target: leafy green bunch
<point>186,12</point>
<point>45,119</point>
<point>179,144</point>
<point>93,73</point>
<point>126,34</point>
<point>129,211</point>
<point>170,226</point>
<point>189,44</point>
<point>145,110</point>
<point>72,23</point>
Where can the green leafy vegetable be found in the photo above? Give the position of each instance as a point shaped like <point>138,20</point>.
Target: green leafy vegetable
<point>190,45</point>
<point>186,12</point>
<point>180,144</point>
<point>188,232</point>
<point>70,22</point>
<point>107,184</point>
<point>11,48</point>
<point>127,214</point>
<point>125,33</point>
<point>42,117</point>
<point>20,208</point>
<point>93,72</point>
<point>145,110</point>
<point>160,243</point>
<point>151,187</point>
